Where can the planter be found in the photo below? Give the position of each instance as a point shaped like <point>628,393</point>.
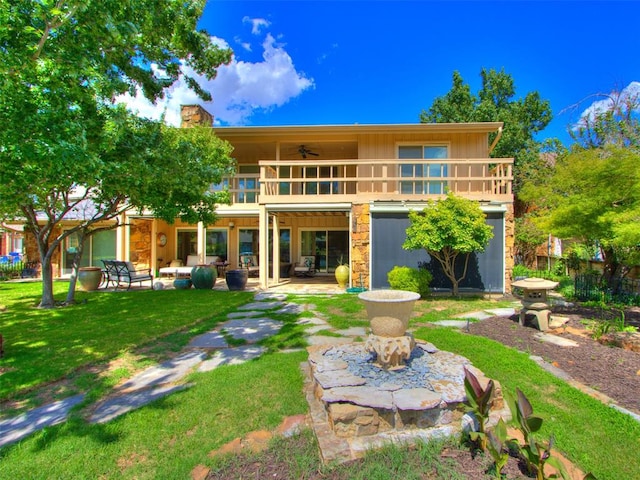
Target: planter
<point>90,278</point>
<point>342,276</point>
<point>236,279</point>
<point>203,277</point>
<point>389,311</point>
<point>182,283</point>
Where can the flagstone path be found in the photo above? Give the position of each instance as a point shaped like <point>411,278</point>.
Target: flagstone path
<point>250,324</point>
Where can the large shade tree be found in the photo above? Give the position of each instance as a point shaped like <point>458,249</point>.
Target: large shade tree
<point>62,64</point>
<point>593,195</point>
<point>496,102</point>
<point>449,229</point>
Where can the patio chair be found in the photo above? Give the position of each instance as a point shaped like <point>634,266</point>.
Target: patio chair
<point>250,262</point>
<point>306,267</point>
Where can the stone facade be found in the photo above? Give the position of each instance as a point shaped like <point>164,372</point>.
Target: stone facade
<point>360,246</point>
<point>192,115</point>
<point>140,242</point>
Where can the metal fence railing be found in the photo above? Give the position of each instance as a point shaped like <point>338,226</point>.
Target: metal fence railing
<point>589,287</point>
<point>14,268</point>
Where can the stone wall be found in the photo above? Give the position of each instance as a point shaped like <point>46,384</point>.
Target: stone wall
<point>360,246</point>
<point>509,247</point>
<point>140,242</point>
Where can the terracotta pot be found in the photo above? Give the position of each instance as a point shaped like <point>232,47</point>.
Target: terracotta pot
<point>90,278</point>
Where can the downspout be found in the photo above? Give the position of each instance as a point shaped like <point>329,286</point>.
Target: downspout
<point>495,140</point>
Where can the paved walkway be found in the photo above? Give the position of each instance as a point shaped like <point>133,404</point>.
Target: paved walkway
<point>251,323</point>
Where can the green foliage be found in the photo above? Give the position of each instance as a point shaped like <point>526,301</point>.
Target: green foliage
<point>528,237</point>
<point>495,102</point>
<point>479,402</point>
<point>594,195</point>
<point>67,150</point>
<point>536,453</point>
<point>410,279</point>
<point>496,447</point>
<point>446,229</point>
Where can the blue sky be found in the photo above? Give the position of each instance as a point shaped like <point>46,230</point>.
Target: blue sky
<point>301,62</point>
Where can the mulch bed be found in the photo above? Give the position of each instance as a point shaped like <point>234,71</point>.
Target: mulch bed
<point>610,370</point>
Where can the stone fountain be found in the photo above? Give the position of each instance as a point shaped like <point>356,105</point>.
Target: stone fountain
<point>390,388</point>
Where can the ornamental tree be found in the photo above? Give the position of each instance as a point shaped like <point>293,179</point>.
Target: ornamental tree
<point>65,149</point>
<point>448,229</point>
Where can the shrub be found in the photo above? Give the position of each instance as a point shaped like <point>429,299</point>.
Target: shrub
<point>411,279</point>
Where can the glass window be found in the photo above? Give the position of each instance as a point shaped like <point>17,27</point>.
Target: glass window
<point>217,242</point>
<point>436,173</point>
<point>99,246</point>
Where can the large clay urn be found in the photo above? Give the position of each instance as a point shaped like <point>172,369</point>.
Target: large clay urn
<point>89,278</point>
<point>389,311</point>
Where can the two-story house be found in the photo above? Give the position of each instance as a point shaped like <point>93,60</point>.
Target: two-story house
<point>337,192</point>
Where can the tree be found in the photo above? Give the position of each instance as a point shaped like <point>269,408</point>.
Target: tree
<point>615,120</point>
<point>447,229</point>
<point>62,64</point>
<point>593,196</point>
<point>495,102</point>
<point>528,238</point>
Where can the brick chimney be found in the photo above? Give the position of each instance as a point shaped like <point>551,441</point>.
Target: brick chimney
<point>192,115</point>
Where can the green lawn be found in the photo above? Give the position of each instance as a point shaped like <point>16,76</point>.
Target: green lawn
<point>169,437</point>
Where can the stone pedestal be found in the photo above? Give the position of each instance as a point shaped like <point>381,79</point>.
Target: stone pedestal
<point>391,352</point>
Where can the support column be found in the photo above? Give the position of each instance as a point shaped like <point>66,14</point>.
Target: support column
<point>202,243</point>
<point>276,250</point>
<point>263,234</point>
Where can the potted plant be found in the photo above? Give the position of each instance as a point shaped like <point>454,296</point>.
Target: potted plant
<point>342,274</point>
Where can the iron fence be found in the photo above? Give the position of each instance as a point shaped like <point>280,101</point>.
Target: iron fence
<point>589,287</point>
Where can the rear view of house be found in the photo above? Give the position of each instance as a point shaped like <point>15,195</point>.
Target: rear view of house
<point>336,193</point>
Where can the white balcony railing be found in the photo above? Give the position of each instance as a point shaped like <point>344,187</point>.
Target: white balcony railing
<point>364,180</point>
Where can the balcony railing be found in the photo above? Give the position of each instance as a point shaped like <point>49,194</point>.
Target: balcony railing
<point>364,180</point>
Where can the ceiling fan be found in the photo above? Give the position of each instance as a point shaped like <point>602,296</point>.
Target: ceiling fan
<point>304,151</point>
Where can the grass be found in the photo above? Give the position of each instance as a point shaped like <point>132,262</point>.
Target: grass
<point>169,437</point>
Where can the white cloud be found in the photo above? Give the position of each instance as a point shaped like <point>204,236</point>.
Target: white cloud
<point>240,88</point>
<point>257,24</point>
<point>630,92</point>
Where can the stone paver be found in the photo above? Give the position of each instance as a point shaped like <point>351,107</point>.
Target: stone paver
<point>121,404</point>
<point>15,429</point>
<point>354,332</point>
<point>259,297</point>
<point>326,340</point>
<point>476,315</point>
<point>555,340</point>
<point>502,312</point>
<point>292,308</point>
<point>167,372</point>
<point>232,356</point>
<point>261,305</point>
<point>252,330</point>
<point>452,323</point>
<point>209,340</point>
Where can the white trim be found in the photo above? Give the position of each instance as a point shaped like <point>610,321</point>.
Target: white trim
<point>309,207</point>
<point>405,207</point>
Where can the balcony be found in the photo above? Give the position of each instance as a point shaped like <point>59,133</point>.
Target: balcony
<point>362,180</point>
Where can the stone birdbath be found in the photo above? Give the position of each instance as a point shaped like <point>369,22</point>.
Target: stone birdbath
<point>534,300</point>
<point>389,312</point>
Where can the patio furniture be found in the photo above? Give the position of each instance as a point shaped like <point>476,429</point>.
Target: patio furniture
<point>176,268</point>
<point>118,272</point>
<point>250,262</point>
<point>306,267</point>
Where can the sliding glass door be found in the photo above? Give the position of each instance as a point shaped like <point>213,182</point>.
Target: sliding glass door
<point>328,246</point>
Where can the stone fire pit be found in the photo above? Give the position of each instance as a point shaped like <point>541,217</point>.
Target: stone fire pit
<point>534,300</point>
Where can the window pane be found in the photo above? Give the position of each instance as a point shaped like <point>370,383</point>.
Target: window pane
<point>406,170</point>
<point>103,246</point>
<point>410,151</point>
<point>217,243</point>
<point>435,152</point>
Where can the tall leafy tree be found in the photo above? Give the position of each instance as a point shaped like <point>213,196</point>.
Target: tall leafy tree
<point>496,102</point>
<point>62,63</point>
<point>593,196</point>
<point>449,229</point>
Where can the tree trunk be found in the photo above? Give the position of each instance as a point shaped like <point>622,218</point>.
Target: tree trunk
<point>71,293</point>
<point>47,300</point>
